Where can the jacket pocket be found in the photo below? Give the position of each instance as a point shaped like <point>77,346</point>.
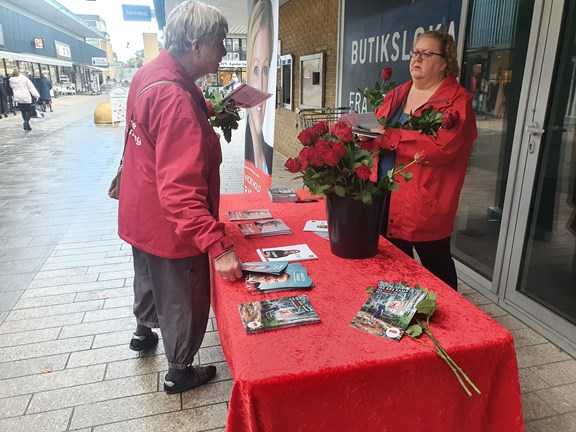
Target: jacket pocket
<point>428,198</point>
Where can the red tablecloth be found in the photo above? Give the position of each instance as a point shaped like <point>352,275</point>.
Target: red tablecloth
<point>333,377</point>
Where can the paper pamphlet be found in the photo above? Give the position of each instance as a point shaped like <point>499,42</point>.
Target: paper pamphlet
<point>316,225</point>
<point>389,310</point>
<point>264,267</point>
<point>299,252</point>
<point>246,96</point>
<point>238,215</point>
<point>362,123</point>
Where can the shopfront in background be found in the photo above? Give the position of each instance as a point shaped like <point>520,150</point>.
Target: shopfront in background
<point>515,234</point>
<point>515,231</point>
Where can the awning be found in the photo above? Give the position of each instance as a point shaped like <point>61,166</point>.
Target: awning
<point>34,58</point>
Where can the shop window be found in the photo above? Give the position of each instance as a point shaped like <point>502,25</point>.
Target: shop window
<point>286,81</point>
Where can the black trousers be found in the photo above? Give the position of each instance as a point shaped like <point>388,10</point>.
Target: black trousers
<point>435,255</point>
<point>26,111</point>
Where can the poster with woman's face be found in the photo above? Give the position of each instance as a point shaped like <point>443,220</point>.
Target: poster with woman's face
<point>261,73</point>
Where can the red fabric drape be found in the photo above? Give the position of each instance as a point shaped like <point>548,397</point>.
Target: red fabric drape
<point>332,377</point>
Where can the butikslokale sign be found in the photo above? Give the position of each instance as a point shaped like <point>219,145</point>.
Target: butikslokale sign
<point>379,34</point>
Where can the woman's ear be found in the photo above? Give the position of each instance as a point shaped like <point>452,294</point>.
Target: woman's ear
<point>195,46</point>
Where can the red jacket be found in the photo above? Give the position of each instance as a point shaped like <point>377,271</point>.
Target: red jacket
<point>170,189</point>
<point>424,208</point>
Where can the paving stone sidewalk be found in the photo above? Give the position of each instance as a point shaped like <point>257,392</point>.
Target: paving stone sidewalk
<point>66,296</point>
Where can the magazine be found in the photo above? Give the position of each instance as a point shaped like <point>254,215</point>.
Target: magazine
<point>295,276</point>
<point>299,252</point>
<point>282,194</point>
<point>264,267</point>
<point>264,228</point>
<point>239,215</point>
<point>245,96</point>
<point>316,225</point>
<point>275,314</point>
<point>389,310</point>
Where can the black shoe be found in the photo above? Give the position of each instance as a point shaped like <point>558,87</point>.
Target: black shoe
<point>141,343</point>
<point>194,377</point>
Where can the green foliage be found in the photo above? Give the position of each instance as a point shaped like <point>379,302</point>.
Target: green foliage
<point>227,115</point>
<point>428,122</point>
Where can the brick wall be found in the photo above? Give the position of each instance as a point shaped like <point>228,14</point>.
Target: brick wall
<point>305,28</point>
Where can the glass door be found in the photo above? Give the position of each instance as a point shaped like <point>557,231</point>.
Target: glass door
<point>496,48</point>
<point>540,255</point>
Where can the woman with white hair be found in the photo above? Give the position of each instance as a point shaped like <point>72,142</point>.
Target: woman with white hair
<point>44,87</point>
<point>170,194</point>
<point>23,91</point>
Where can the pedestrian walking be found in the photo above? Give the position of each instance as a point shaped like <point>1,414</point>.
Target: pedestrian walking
<point>23,91</point>
<point>44,87</point>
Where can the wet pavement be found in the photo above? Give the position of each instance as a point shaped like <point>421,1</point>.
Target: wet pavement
<point>66,296</point>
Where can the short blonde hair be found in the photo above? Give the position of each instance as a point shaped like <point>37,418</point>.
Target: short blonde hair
<point>447,48</point>
<point>192,20</point>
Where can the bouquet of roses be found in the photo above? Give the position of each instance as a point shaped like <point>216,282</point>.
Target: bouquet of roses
<point>429,122</point>
<point>227,115</point>
<point>333,160</point>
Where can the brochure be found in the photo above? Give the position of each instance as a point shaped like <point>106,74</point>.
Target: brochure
<point>322,234</point>
<point>264,267</point>
<point>389,310</point>
<point>239,215</point>
<point>362,123</point>
<point>264,228</point>
<point>275,314</point>
<point>295,276</point>
<point>299,252</point>
<point>246,96</point>
<point>316,225</point>
<point>282,194</point>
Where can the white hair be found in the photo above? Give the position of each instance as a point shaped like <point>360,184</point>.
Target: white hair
<point>192,20</point>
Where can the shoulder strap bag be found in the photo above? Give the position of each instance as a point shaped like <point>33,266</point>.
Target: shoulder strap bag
<point>114,189</point>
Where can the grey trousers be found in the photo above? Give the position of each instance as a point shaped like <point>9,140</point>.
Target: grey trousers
<point>173,294</point>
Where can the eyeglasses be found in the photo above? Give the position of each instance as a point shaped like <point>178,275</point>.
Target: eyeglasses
<point>424,55</point>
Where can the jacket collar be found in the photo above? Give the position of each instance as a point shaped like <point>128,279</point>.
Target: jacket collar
<point>441,99</point>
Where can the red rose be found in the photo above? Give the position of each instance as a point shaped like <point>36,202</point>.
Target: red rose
<point>305,137</point>
<point>386,73</point>
<point>304,157</point>
<point>363,172</point>
<point>292,165</point>
<point>331,158</point>
<point>338,147</point>
<point>342,131</point>
<point>319,129</point>
<point>450,119</point>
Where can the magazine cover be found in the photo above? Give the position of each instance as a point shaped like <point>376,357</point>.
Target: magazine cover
<point>299,252</point>
<point>294,277</point>
<point>264,267</point>
<point>316,226</point>
<point>388,311</point>
<point>263,228</point>
<point>239,215</point>
<point>277,314</point>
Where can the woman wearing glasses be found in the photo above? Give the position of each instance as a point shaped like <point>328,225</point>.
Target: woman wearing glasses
<point>421,213</point>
